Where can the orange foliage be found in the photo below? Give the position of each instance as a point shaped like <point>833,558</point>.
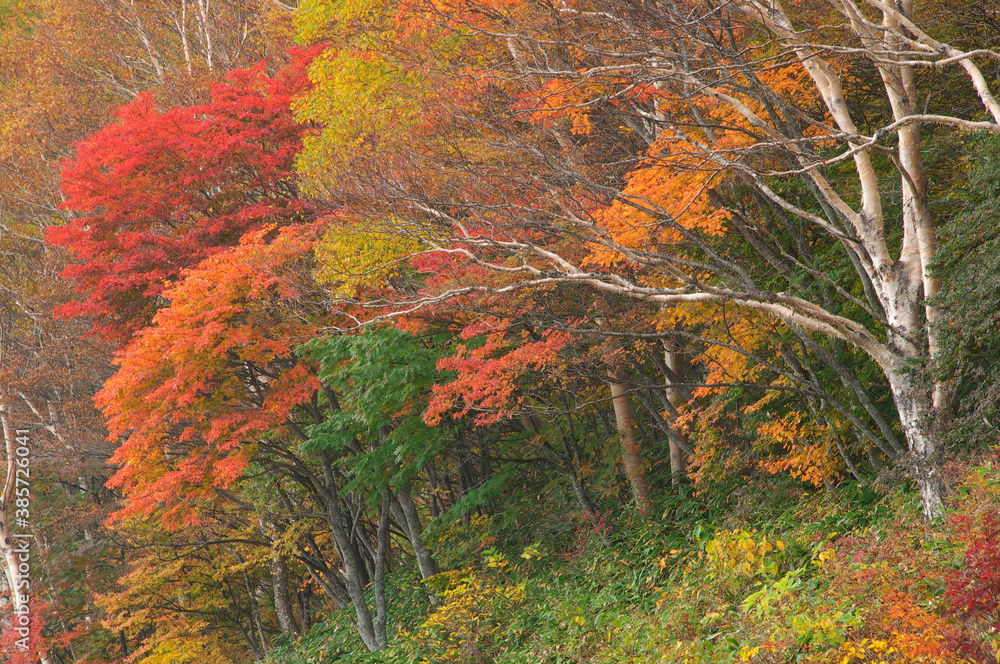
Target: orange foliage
<point>883,576</point>
<point>214,371</point>
<point>809,449</point>
<point>488,375</point>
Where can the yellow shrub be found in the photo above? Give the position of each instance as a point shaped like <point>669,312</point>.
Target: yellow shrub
<point>467,621</point>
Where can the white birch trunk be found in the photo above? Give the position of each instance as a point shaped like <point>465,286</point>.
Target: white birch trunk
<point>7,546</point>
<point>11,553</point>
<point>913,401</point>
<point>902,285</point>
<point>205,28</point>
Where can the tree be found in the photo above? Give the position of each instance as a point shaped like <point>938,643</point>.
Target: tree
<point>204,396</point>
<point>214,371</point>
<point>57,89</point>
<point>740,114</point>
<point>191,593</point>
<point>161,191</point>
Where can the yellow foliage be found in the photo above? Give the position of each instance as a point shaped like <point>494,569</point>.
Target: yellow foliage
<point>352,260</point>
<point>186,649</point>
<point>742,553</point>
<point>740,333</point>
<point>473,609</point>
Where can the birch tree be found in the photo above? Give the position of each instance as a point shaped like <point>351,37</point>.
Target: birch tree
<point>654,133</point>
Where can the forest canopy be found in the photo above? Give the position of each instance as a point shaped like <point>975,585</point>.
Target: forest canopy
<point>458,331</point>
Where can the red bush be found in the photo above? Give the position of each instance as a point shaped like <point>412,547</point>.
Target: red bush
<point>973,591</point>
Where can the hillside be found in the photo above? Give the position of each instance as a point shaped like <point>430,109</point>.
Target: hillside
<point>470,331</point>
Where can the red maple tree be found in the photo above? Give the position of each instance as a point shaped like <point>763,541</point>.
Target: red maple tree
<point>161,190</point>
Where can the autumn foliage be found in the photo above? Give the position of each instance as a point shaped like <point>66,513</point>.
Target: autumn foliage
<point>486,375</point>
<point>501,331</point>
<point>160,190</point>
<point>973,592</point>
<point>214,370</point>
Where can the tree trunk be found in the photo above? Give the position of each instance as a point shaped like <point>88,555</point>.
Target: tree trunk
<point>631,454</point>
<point>576,478</point>
<point>6,503</point>
<point>425,561</point>
<point>354,567</point>
<point>14,549</point>
<point>255,622</point>
<point>677,396</point>
<point>378,575</point>
<point>302,598</point>
<point>282,604</point>
<point>14,552</point>
<point>914,403</point>
<point>582,495</point>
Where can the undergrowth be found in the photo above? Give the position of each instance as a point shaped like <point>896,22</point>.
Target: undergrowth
<point>726,576</point>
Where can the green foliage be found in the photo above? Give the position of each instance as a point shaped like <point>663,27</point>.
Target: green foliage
<point>969,260</point>
<point>678,590</point>
<point>836,579</point>
<point>381,379</point>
